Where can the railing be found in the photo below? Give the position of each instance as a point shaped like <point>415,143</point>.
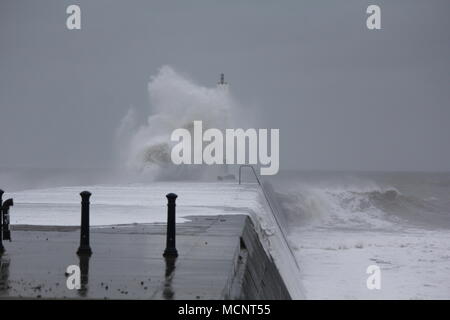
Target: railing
<point>254,172</point>
<point>275,212</point>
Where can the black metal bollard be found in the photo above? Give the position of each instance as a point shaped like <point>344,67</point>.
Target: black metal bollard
<point>84,248</point>
<point>171,250</point>
<point>4,209</point>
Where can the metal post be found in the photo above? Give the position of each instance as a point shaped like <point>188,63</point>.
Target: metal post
<point>2,248</point>
<point>84,248</point>
<point>171,250</point>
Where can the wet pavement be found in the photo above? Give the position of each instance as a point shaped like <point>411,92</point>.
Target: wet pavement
<point>126,263</point>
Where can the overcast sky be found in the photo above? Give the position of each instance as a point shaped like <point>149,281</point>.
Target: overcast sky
<point>343,97</point>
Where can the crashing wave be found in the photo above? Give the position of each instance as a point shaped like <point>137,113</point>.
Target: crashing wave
<point>372,208</point>
<point>175,103</point>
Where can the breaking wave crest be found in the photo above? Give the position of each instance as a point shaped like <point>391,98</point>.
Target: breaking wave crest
<point>176,102</point>
<point>372,208</point>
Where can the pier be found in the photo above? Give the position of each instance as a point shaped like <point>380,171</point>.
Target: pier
<point>220,257</point>
<point>228,244</point>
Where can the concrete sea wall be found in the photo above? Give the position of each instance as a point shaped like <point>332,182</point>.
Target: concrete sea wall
<point>255,275</point>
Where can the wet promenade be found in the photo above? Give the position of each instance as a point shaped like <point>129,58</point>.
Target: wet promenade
<point>127,261</point>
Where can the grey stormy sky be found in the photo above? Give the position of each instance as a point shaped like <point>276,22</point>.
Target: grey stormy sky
<point>343,97</point>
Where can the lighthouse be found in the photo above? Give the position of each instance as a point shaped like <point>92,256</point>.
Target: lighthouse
<point>222,84</point>
<point>222,80</point>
